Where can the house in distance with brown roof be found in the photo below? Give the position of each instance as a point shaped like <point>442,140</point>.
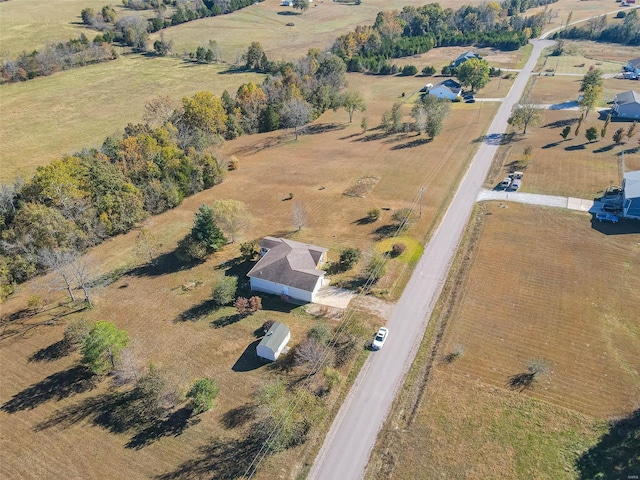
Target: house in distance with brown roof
<point>288,268</point>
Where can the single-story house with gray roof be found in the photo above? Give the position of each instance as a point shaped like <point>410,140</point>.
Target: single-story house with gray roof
<point>288,268</point>
<point>631,195</point>
<point>449,89</point>
<point>464,57</point>
<point>633,65</point>
<point>627,105</point>
<point>274,341</point>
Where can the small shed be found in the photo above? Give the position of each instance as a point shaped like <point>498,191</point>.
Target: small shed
<point>271,346</point>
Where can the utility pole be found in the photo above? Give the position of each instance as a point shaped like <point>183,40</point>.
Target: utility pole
<point>421,193</point>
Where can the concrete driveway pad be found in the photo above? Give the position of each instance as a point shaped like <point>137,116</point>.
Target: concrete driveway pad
<point>334,297</point>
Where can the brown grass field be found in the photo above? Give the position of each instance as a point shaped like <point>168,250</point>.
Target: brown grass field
<point>333,155</point>
<point>533,283</point>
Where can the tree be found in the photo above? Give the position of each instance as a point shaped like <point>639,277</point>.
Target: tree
<point>392,120</point>
<point>590,98</point>
<point>352,101</point>
<point>231,215</point>
<point>242,306</point>
<point>82,271</point>
<point>147,245</point>
<point>364,124</point>
<point>248,250</point>
<point>592,78</point>
<point>75,334</point>
<point>296,113</point>
<point>101,349</point>
<point>205,111</point>
<point>349,257</point>
<point>603,132</point>
<point>206,232</point>
<point>302,5</point>
<point>202,394</point>
<point>474,73</point>
<point>60,262</point>
<point>566,131</point>
<point>310,351</point>
<point>525,114</point>
<point>631,131</point>
<point>580,120</point>
<point>591,134</point>
<point>618,136</point>
<point>255,58</point>
<point>298,215</point>
<point>376,268</point>
<point>159,110</point>
<point>224,290</point>
<point>429,114</point>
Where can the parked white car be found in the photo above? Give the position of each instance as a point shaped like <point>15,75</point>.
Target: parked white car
<point>380,338</point>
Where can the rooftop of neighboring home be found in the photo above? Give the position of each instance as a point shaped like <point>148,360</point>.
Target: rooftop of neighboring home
<point>450,85</point>
<point>634,63</point>
<point>464,57</point>
<point>625,98</point>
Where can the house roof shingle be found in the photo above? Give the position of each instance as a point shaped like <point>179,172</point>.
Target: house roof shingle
<point>626,98</point>
<point>635,63</point>
<point>451,85</point>
<point>290,263</point>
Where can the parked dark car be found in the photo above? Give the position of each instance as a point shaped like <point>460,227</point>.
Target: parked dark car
<point>606,217</point>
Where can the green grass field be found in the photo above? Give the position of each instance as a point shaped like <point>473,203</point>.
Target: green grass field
<point>48,117</point>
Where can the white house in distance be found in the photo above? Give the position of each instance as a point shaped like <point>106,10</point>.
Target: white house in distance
<point>631,195</point>
<point>449,89</point>
<point>288,268</point>
<point>464,57</point>
<point>627,105</point>
<point>274,341</point>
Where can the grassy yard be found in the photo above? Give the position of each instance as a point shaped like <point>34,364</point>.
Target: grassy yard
<point>533,283</point>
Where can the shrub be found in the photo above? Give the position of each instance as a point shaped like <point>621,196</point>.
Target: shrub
<point>267,325</point>
<point>332,377</point>
<point>76,333</point>
<point>409,70</point>
<point>202,394</point>
<point>403,216</point>
<point>248,250</point>
<point>374,214</point>
<point>233,164</point>
<point>621,14</point>
<point>224,290</point>
<point>320,332</point>
<point>349,257</point>
<point>376,268</point>
<point>429,70</point>
<point>398,249</point>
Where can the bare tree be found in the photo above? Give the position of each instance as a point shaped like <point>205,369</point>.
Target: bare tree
<point>310,351</point>
<point>232,216</point>
<point>159,110</point>
<point>522,381</point>
<point>83,275</point>
<point>299,215</point>
<point>296,113</point>
<point>60,262</point>
<point>147,245</point>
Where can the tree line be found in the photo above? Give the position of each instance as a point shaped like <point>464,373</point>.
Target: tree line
<point>626,32</point>
<point>414,30</point>
<point>81,199</point>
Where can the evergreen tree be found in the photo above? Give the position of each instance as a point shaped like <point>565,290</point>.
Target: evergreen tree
<point>206,232</point>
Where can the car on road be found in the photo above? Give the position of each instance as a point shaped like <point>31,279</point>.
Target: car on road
<point>606,217</point>
<point>380,338</point>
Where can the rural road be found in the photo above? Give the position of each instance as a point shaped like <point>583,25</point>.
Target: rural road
<point>346,449</point>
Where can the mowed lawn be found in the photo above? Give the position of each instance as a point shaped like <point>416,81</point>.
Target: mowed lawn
<point>317,169</point>
<point>542,284</point>
<point>46,118</point>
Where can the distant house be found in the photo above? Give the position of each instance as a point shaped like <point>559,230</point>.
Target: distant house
<point>275,340</point>
<point>627,105</point>
<point>631,195</point>
<point>449,89</point>
<point>288,268</point>
<point>464,57</point>
<point>633,66</point>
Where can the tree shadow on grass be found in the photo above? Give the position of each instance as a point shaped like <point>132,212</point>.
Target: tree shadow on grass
<point>172,426</point>
<point>385,231</point>
<point>323,127</point>
<point>412,144</point>
<point>240,416</point>
<point>551,145</point>
<point>617,454</point>
<point>606,148</point>
<point>227,320</point>
<point>249,360</point>
<point>561,123</point>
<point>197,312</point>
<point>521,381</point>
<point>55,351</point>
<point>222,459</point>
<point>58,386</point>
<point>574,148</point>
<point>371,137</point>
<point>163,265</point>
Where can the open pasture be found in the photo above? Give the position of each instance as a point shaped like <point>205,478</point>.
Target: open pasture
<point>48,117</point>
<point>173,326</point>
<point>533,283</point>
